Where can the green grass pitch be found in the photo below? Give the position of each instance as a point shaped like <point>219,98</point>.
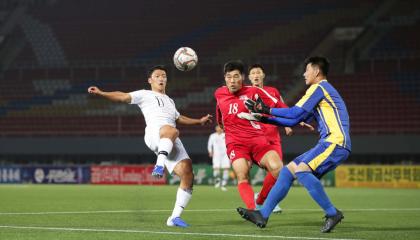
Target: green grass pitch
<point>140,212</point>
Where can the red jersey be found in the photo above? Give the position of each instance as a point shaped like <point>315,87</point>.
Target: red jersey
<point>230,104</point>
<point>272,131</point>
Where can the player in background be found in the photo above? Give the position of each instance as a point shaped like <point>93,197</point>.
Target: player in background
<point>323,103</point>
<point>161,134</point>
<point>216,147</point>
<point>245,141</point>
<point>256,75</point>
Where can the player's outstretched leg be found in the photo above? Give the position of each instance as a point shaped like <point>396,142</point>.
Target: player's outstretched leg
<point>167,135</point>
<point>268,183</point>
<point>317,192</point>
<point>331,221</point>
<point>273,164</point>
<point>241,167</point>
<point>277,208</point>
<point>278,192</point>
<point>253,216</point>
<point>184,170</point>
<point>164,148</point>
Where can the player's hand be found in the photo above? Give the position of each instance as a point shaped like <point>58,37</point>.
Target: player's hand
<point>289,131</point>
<point>251,105</point>
<point>94,90</point>
<point>304,124</point>
<point>257,106</point>
<point>252,117</point>
<point>206,120</point>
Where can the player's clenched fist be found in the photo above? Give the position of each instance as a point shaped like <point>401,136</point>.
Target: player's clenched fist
<point>206,120</point>
<point>94,90</point>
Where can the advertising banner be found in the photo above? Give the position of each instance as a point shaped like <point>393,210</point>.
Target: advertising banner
<point>125,174</point>
<point>56,174</point>
<point>389,176</point>
<point>10,175</point>
<point>203,174</point>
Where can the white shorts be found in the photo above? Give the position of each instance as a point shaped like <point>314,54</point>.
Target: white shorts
<point>221,162</point>
<point>178,153</point>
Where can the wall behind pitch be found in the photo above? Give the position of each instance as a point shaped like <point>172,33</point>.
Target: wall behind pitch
<point>362,144</point>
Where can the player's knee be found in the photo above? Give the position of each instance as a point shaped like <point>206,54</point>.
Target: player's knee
<point>184,167</point>
<point>169,132</point>
<point>187,177</point>
<point>274,166</point>
<point>241,177</point>
<point>292,166</point>
<point>303,167</point>
<point>175,133</point>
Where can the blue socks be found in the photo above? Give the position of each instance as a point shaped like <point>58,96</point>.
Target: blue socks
<point>278,192</point>
<point>282,187</point>
<point>317,192</point>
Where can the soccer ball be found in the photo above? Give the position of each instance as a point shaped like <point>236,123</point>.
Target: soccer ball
<point>185,59</point>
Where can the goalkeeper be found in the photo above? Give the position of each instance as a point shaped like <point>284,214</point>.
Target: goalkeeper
<point>323,103</point>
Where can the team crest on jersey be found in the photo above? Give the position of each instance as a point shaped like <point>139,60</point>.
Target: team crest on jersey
<point>232,154</point>
<point>243,97</point>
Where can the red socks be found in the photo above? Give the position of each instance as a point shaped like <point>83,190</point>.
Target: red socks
<point>247,194</point>
<point>268,183</point>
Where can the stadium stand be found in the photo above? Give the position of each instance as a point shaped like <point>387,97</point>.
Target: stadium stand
<point>42,101</point>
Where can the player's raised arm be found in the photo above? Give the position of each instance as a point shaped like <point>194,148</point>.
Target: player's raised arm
<point>116,96</point>
<point>194,121</point>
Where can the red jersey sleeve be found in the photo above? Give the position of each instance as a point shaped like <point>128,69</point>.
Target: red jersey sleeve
<point>218,115</point>
<point>268,99</point>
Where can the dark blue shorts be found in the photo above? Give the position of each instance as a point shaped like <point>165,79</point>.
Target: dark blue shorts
<point>324,157</point>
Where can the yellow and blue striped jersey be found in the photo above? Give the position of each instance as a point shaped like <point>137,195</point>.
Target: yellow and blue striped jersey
<point>330,112</point>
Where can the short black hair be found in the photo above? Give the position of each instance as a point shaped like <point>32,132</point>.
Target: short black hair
<point>234,65</point>
<point>154,68</point>
<point>321,62</point>
<point>256,65</point>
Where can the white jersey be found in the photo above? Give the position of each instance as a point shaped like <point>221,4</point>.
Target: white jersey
<point>158,109</point>
<point>217,145</point>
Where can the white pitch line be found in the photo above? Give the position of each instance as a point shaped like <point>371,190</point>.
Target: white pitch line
<point>168,233</point>
<point>205,210</point>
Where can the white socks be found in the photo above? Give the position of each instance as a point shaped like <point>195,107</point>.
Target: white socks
<point>216,177</point>
<point>216,172</point>
<point>225,177</point>
<point>182,199</point>
<point>164,148</point>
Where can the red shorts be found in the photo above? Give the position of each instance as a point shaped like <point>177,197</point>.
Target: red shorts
<point>251,149</point>
<point>278,148</point>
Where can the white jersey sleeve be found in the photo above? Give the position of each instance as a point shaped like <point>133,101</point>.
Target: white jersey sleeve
<point>136,96</point>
